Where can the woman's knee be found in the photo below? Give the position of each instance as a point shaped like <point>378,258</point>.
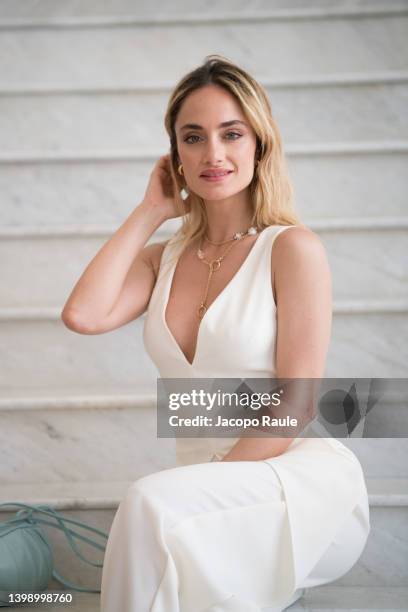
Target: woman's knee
<point>344,551</point>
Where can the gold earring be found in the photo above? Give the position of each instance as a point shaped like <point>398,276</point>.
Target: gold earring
<point>179,170</point>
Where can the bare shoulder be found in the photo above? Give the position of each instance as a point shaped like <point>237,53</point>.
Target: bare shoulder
<point>152,254</point>
<point>299,259</point>
<point>297,242</point>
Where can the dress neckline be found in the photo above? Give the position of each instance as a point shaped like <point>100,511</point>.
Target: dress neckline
<point>218,299</point>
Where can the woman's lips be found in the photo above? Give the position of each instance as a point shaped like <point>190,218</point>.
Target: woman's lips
<point>215,179</point>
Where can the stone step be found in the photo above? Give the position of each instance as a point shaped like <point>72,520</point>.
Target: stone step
<point>71,434</point>
<point>383,562</point>
<point>364,343</point>
<point>319,599</point>
<point>368,262</point>
<point>82,438</point>
<point>40,55</point>
<point>104,190</point>
<point>30,13</point>
<point>38,124</point>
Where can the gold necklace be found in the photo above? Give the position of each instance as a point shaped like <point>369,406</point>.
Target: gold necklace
<point>250,231</point>
<point>215,264</point>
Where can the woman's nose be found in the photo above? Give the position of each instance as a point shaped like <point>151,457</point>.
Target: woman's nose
<point>214,152</point>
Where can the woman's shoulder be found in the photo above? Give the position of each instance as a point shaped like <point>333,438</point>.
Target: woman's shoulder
<point>297,247</point>
<point>299,238</point>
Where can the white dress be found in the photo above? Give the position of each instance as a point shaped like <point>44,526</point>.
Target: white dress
<point>236,536</point>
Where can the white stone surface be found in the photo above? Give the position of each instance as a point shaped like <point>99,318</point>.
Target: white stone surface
<point>49,10</point>
<point>318,599</point>
<point>105,192</point>
<point>368,345</point>
<point>42,271</point>
<point>150,54</point>
<point>89,444</point>
<point>46,354</point>
<point>50,123</point>
<point>94,443</point>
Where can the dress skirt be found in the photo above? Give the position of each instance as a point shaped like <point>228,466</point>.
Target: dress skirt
<point>237,536</point>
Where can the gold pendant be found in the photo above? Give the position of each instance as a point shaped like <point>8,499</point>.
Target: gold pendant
<point>201,311</point>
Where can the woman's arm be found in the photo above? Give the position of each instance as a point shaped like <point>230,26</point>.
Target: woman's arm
<point>117,284</point>
<point>303,290</point>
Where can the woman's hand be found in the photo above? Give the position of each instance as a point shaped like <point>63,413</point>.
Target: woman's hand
<point>162,192</point>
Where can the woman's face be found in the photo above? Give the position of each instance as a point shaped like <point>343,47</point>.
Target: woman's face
<point>203,143</point>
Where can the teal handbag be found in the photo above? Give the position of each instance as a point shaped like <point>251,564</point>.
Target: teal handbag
<point>26,558</point>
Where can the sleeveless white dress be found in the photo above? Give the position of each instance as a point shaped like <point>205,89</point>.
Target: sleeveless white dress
<point>236,536</point>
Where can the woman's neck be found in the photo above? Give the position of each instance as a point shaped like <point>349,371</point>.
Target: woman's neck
<point>227,217</point>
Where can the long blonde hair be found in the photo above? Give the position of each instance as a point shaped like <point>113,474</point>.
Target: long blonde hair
<point>270,190</point>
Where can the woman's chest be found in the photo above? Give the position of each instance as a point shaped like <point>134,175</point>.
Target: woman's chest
<point>236,336</point>
<point>199,288</point>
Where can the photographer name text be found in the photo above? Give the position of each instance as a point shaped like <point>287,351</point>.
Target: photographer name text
<point>206,421</point>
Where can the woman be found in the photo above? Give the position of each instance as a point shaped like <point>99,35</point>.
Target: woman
<point>245,523</point>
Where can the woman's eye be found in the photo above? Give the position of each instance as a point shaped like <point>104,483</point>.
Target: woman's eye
<point>228,133</point>
<point>192,136</point>
<point>235,134</point>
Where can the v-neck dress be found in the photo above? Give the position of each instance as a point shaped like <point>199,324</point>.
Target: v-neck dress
<point>236,336</point>
<point>233,536</point>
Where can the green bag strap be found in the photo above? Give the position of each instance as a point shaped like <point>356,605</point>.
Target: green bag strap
<point>24,516</point>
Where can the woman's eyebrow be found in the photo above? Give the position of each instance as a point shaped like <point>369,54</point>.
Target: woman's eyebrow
<point>195,126</point>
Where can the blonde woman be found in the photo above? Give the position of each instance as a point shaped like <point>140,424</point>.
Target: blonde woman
<point>242,290</point>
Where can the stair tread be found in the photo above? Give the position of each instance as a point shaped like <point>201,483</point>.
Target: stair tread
<point>66,495</point>
<point>68,395</point>
<point>107,494</point>
<point>335,598</point>
<point>324,598</point>
<point>71,393</point>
